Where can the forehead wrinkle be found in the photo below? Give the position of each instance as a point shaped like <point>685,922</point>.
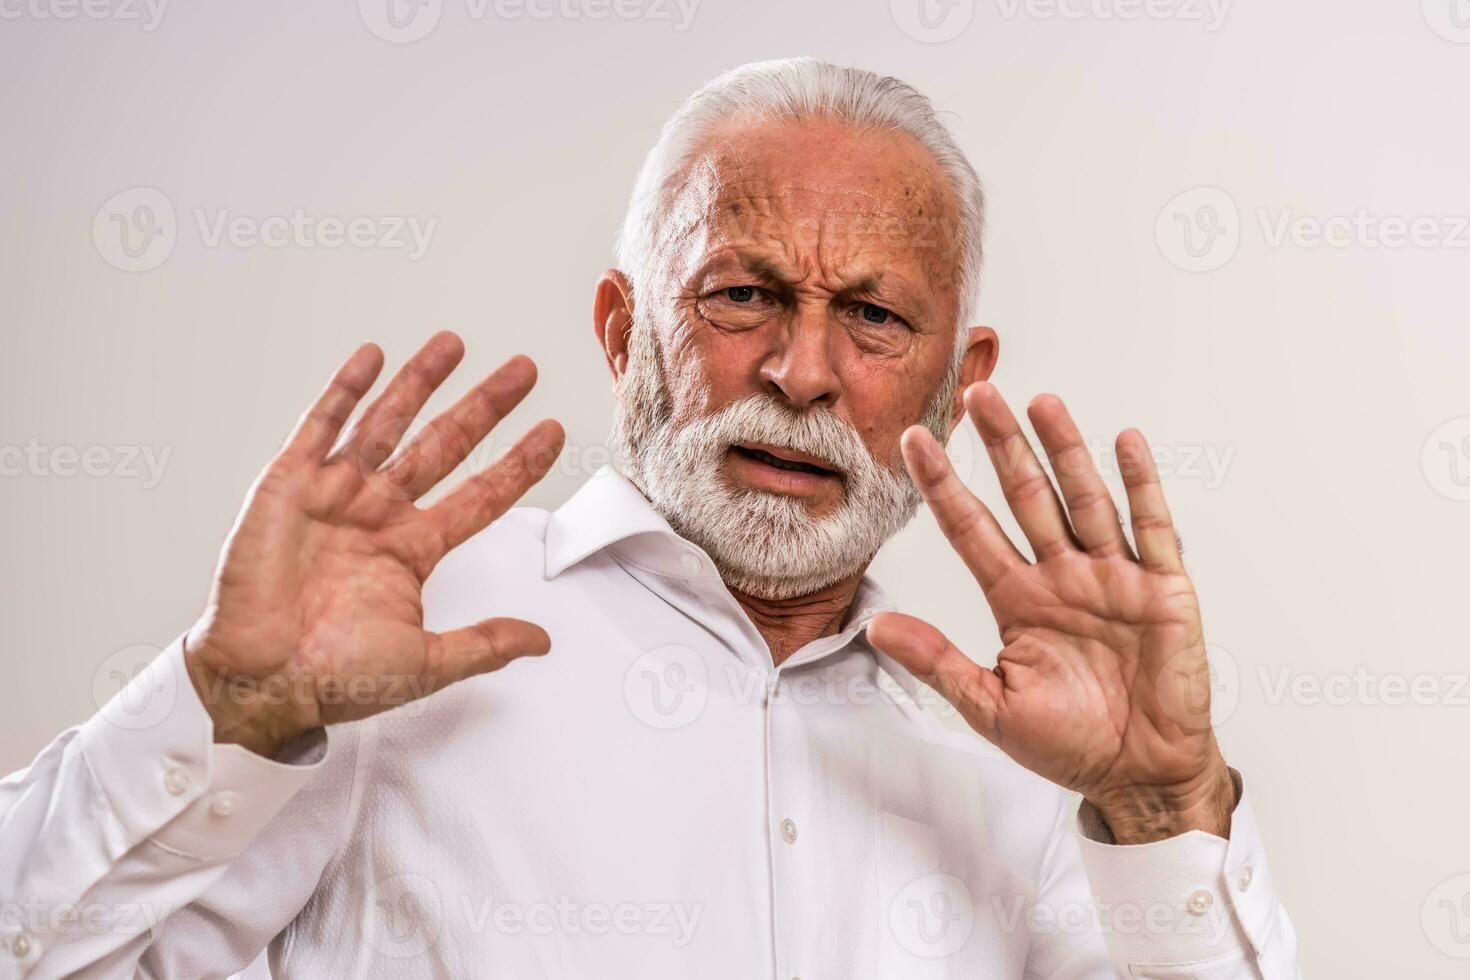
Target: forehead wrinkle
<point>748,192</point>
<point>785,193</point>
<point>687,214</point>
<point>823,245</point>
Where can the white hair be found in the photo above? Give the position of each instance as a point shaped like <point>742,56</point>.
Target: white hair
<point>769,544</point>
<point>798,88</point>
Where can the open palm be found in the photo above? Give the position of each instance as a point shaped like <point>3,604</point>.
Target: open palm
<point>1101,685</point>
<point>316,614</point>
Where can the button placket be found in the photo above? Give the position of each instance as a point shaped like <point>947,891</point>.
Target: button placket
<point>787,809</point>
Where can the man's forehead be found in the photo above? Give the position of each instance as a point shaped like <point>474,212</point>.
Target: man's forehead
<point>754,180</point>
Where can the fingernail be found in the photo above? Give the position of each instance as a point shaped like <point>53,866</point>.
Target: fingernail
<point>929,457</point>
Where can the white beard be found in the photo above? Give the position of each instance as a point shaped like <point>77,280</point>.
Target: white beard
<point>765,545</point>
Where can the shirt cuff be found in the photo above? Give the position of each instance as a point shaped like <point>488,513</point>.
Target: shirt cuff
<point>151,752</point>
<point>1186,900</point>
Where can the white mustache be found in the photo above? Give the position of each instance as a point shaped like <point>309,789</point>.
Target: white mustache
<point>765,419</point>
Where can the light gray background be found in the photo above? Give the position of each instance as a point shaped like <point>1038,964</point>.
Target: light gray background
<point>1298,387</point>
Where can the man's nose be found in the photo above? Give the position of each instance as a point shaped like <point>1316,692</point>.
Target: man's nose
<point>801,366</point>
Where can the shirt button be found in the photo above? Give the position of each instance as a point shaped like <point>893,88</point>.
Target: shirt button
<point>21,946</point>
<point>175,780</point>
<point>223,804</point>
<point>788,831</point>
<point>1200,902</point>
<point>1247,875</point>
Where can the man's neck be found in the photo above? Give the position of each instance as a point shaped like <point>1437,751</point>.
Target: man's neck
<point>790,624</point>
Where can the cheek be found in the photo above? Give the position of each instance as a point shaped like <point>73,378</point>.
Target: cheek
<point>711,368</point>
<point>907,384</point>
<point>882,404</point>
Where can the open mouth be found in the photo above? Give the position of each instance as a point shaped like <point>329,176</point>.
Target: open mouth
<point>783,459</point>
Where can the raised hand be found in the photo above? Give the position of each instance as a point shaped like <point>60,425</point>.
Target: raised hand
<point>315,615</point>
<point>1097,687</point>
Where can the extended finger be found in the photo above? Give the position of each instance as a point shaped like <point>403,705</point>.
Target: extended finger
<point>1025,484</point>
<point>928,654</point>
<point>965,520</point>
<point>446,442</point>
<point>1089,504</point>
<point>481,648</point>
<point>374,436</point>
<point>482,498</point>
<point>319,426</point>
<point>1153,527</point>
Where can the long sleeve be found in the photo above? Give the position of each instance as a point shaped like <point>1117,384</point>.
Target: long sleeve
<point>124,822</point>
<point>1193,907</point>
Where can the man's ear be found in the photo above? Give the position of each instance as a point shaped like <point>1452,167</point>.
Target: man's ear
<point>982,348</point>
<point>612,319</point>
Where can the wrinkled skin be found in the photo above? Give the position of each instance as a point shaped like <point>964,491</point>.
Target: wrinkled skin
<point>316,613</point>
<point>814,263</point>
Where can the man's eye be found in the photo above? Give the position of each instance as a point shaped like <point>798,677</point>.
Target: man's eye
<point>740,294</point>
<point>875,314</point>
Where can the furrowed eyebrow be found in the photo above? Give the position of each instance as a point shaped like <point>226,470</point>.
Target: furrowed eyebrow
<point>765,268</point>
<point>883,289</point>
<point>756,266</point>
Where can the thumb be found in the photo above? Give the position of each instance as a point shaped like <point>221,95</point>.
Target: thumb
<point>929,655</point>
<point>486,646</point>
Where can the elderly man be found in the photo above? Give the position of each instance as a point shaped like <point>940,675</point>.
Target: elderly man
<point>733,763</point>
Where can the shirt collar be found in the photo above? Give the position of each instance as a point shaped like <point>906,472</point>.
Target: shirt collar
<point>606,509</point>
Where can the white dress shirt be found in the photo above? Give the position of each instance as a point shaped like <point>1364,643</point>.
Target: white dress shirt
<point>653,799</point>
